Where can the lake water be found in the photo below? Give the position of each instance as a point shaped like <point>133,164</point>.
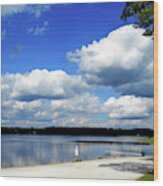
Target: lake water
<point>25,150</point>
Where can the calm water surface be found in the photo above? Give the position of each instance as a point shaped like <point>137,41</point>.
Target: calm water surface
<point>25,150</point>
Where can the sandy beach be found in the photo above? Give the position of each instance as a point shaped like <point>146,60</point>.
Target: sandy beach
<point>124,168</point>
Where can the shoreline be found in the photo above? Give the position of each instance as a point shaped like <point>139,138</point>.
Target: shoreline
<point>112,168</point>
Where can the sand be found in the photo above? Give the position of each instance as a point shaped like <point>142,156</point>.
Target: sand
<point>109,168</point>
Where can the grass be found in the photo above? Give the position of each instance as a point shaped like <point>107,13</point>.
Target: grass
<point>147,177</point>
<point>148,140</point>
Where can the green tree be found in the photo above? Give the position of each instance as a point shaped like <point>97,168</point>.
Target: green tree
<point>144,12</point>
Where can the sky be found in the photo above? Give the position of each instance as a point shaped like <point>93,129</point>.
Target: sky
<point>75,65</point>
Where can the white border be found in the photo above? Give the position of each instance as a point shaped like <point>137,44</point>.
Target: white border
<point>73,182</point>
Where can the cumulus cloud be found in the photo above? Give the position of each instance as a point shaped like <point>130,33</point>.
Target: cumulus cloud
<point>75,111</point>
<point>41,84</point>
<point>36,10</point>
<point>129,107</point>
<point>123,60</point>
<point>20,110</point>
<point>81,110</point>
<point>42,98</point>
<point>128,123</point>
<point>36,31</point>
<point>47,97</point>
<point>85,103</point>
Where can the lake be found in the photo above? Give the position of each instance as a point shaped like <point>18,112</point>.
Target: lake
<point>25,150</point>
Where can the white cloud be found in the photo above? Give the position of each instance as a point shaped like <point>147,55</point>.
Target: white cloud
<point>41,84</point>
<point>20,110</point>
<point>48,98</point>
<point>83,110</point>
<point>123,60</point>
<point>36,10</point>
<point>44,98</point>
<point>12,9</point>
<point>129,107</point>
<point>85,103</point>
<point>127,123</point>
<point>36,31</point>
<point>79,110</point>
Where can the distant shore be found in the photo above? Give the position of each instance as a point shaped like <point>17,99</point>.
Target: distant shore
<point>113,168</point>
<point>78,131</point>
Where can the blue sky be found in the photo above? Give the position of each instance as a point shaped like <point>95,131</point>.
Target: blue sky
<point>56,44</point>
<point>69,26</point>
